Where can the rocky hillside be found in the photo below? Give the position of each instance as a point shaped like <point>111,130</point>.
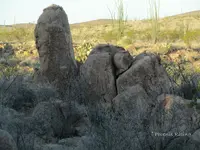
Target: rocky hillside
<point>112,101</point>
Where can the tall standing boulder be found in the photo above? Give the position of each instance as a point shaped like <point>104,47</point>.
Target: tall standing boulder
<point>54,44</point>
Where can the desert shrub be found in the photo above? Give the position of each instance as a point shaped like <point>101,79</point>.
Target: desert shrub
<point>17,34</point>
<point>130,36</point>
<point>13,61</point>
<point>144,35</point>
<point>31,62</point>
<point>7,71</point>
<point>186,33</point>
<point>4,33</point>
<point>131,33</point>
<point>15,94</point>
<point>106,130</point>
<point>110,36</point>
<point>187,82</point>
<point>189,37</point>
<point>20,93</point>
<point>22,34</point>
<point>190,89</point>
<point>176,69</point>
<point>163,48</point>
<point>113,130</point>
<point>169,35</point>
<point>124,41</point>
<point>43,92</point>
<point>82,51</point>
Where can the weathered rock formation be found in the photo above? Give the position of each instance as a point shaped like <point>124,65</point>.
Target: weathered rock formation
<point>163,123</point>
<point>148,72</point>
<point>104,64</point>
<point>54,44</point>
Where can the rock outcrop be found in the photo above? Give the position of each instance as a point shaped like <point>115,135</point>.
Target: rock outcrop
<point>54,44</point>
<point>147,71</point>
<point>163,123</point>
<point>103,66</point>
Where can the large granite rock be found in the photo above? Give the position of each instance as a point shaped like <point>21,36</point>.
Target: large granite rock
<point>54,44</point>
<point>163,123</point>
<point>148,72</point>
<point>100,71</point>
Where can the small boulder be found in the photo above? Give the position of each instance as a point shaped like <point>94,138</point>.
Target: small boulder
<point>6,141</point>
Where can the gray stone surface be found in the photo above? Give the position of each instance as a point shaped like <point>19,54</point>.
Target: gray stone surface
<point>163,123</point>
<point>6,141</point>
<point>104,64</point>
<point>147,71</point>
<point>54,44</point>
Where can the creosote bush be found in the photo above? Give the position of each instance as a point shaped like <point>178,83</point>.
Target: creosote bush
<point>186,81</point>
<point>82,51</point>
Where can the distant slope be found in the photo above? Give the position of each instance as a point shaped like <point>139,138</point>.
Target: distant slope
<point>25,25</point>
<point>93,22</point>
<point>20,25</point>
<point>194,14</point>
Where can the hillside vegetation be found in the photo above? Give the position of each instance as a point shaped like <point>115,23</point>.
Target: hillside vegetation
<point>178,38</point>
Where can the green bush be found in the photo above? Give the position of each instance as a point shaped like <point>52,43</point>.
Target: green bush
<point>111,36</point>
<point>189,37</point>
<point>7,71</point>
<point>186,34</point>
<point>169,35</point>
<point>82,51</point>
<point>125,41</point>
<point>144,35</point>
<point>16,34</point>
